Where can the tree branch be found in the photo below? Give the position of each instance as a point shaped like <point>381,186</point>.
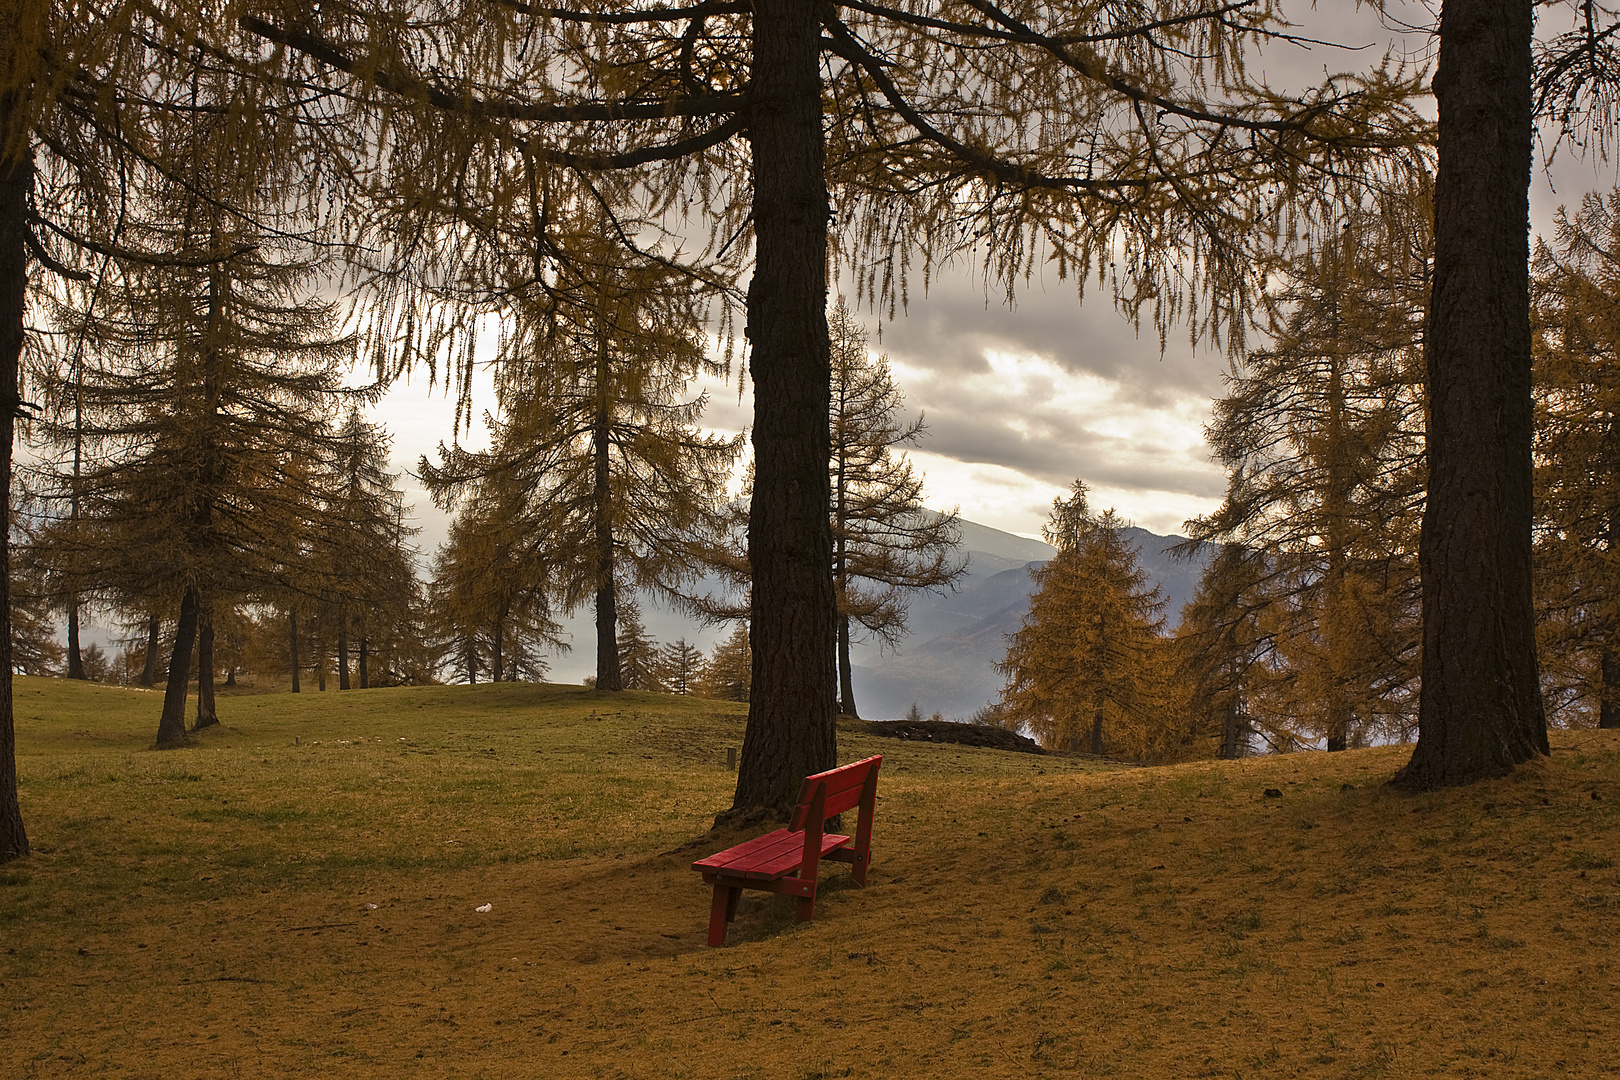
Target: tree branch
<point>406,84</point>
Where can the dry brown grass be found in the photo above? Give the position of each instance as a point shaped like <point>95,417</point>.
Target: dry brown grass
<point>1026,917</point>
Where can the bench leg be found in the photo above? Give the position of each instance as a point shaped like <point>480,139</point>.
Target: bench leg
<point>805,909</point>
<point>721,911</point>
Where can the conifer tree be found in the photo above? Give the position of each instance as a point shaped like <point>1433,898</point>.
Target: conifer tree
<point>357,568</point>
<point>1321,436</point>
<point>34,647</point>
<point>1577,382</point>
<point>886,544</point>
<point>728,673</point>
<point>596,443</point>
<point>1088,669</point>
<point>681,663</point>
<point>488,594</point>
<point>1226,651</point>
<point>214,380</point>
<point>640,665</point>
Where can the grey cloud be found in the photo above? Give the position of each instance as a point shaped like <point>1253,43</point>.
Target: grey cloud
<point>950,330</point>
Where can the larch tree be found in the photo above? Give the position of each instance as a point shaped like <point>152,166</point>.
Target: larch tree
<point>88,97</point>
<point>1225,651</point>
<point>55,63</point>
<point>1577,395</point>
<point>216,375</point>
<point>681,662</point>
<point>596,438</point>
<point>489,593</point>
<point>886,544</point>
<point>1321,435</point>
<point>1157,162</point>
<point>1481,711</point>
<point>1088,669</point>
<point>357,559</point>
<point>640,659</point>
<point>727,674</point>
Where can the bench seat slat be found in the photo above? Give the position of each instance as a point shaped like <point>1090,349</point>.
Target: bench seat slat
<point>770,856</point>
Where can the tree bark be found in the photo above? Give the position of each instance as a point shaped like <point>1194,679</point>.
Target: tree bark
<point>792,708</point>
<point>172,724</point>
<point>16,179</point>
<point>292,644</point>
<point>207,714</point>
<point>846,672</point>
<point>1231,733</point>
<point>497,643</point>
<point>1481,712</point>
<point>472,661</point>
<point>75,659</point>
<point>608,673</point>
<point>154,625</point>
<point>365,680</point>
<point>343,649</point>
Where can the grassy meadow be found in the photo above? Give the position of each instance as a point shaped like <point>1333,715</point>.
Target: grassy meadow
<point>296,893</point>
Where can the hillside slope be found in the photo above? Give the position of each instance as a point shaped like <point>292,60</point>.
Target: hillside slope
<point>494,881</point>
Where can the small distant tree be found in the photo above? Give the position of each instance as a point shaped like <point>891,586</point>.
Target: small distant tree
<point>728,674</point>
<point>1225,650</point>
<point>358,568</point>
<point>1088,668</point>
<point>488,597</point>
<point>98,666</point>
<point>886,544</point>
<point>640,659</point>
<point>681,662</point>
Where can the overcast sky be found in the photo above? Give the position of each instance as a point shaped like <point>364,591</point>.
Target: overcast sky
<point>1021,401</point>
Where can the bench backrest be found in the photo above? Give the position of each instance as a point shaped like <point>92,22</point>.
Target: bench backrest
<point>841,789</point>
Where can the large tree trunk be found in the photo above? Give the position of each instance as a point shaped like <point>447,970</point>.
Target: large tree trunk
<point>75,659</point>
<point>154,625</point>
<point>207,714</point>
<point>792,708</point>
<point>343,649</point>
<point>16,178</point>
<point>1480,712</point>
<point>365,679</point>
<point>292,644</point>
<point>172,724</point>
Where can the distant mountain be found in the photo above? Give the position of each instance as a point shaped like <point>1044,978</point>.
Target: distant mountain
<point>946,663</point>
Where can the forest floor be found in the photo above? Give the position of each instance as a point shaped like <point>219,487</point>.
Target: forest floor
<point>296,893</point>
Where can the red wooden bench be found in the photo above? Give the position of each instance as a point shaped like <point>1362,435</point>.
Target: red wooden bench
<point>769,862</point>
